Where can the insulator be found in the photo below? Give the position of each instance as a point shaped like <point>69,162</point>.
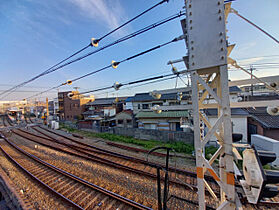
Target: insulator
<point>114,64</point>
<point>273,110</point>
<point>274,84</point>
<point>94,42</point>
<point>69,82</point>
<point>157,109</point>
<point>179,96</point>
<point>117,85</point>
<point>155,94</point>
<point>70,95</point>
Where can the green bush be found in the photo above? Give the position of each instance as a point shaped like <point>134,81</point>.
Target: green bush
<point>180,147</point>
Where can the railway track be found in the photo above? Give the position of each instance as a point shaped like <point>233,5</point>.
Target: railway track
<point>78,193</point>
<point>74,144</point>
<point>121,164</point>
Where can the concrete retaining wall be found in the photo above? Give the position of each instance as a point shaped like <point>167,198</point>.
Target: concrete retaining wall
<point>147,134</point>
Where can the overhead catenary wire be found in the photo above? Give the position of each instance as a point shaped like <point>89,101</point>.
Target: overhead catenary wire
<point>84,48</point>
<point>115,64</point>
<point>128,83</point>
<point>127,37</point>
<point>253,24</point>
<point>129,21</point>
<point>42,74</point>
<point>134,86</point>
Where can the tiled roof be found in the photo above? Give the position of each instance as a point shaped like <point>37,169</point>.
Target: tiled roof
<point>106,101</point>
<point>147,97</point>
<point>164,114</point>
<point>268,121</point>
<point>234,89</point>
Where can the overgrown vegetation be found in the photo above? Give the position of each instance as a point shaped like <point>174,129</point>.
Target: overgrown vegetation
<point>179,147</point>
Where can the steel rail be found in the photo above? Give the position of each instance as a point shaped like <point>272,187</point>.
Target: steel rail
<point>38,180</point>
<point>99,160</point>
<point>91,185</point>
<point>184,172</point>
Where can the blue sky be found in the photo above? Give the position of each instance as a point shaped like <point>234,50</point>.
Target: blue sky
<point>37,34</point>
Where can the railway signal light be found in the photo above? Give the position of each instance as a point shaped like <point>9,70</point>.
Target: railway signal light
<point>257,183</point>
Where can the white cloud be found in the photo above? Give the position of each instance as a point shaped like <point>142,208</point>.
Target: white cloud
<point>251,60</point>
<point>109,12</point>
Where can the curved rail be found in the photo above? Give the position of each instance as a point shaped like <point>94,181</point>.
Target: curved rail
<point>91,157</point>
<point>128,202</point>
<point>176,170</point>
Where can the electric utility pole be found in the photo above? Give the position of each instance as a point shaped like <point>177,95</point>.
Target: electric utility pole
<point>252,87</point>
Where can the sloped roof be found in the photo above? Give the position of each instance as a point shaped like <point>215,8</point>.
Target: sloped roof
<point>106,101</point>
<point>89,112</point>
<point>234,89</point>
<point>260,115</point>
<point>164,114</point>
<point>147,97</point>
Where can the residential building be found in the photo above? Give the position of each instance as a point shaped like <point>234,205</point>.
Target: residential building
<point>262,123</point>
<point>239,118</point>
<point>166,120</point>
<point>144,101</point>
<point>71,109</point>
<point>103,110</point>
<point>125,119</point>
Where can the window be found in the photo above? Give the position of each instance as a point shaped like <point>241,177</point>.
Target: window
<point>120,121</point>
<point>129,121</point>
<point>145,106</point>
<point>138,106</point>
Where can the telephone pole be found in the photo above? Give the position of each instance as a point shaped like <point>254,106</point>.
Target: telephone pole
<point>252,87</point>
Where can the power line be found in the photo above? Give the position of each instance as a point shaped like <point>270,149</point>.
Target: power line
<point>147,83</point>
<point>128,83</point>
<point>127,37</point>
<point>115,63</point>
<point>43,73</point>
<point>253,24</point>
<point>263,56</point>
<point>93,42</point>
<point>129,21</point>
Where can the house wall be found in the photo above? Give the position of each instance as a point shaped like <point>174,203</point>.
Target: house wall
<point>260,129</point>
<point>69,109</point>
<point>138,105</point>
<point>128,105</point>
<point>166,124</point>
<point>239,126</point>
<point>146,134</point>
<point>126,119</point>
<point>272,133</point>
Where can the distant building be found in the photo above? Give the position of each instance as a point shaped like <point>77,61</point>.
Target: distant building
<point>144,101</point>
<point>71,109</point>
<point>103,110</point>
<point>6,105</point>
<point>125,119</point>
